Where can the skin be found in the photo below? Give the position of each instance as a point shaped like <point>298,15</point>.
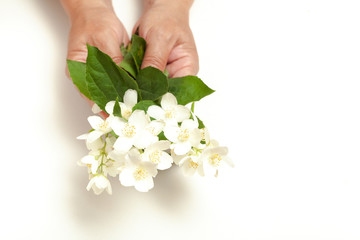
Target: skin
<point>164,24</point>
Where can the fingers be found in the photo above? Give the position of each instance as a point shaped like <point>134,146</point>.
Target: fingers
<point>157,52</point>
<point>77,50</point>
<point>183,61</point>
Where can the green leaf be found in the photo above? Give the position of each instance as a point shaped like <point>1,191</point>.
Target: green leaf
<point>105,80</point>
<point>188,89</point>
<point>123,49</point>
<point>128,64</point>
<point>117,108</point>
<point>143,105</point>
<point>201,124</point>
<point>77,72</point>
<point>162,136</point>
<point>138,47</point>
<point>193,107</point>
<point>133,55</point>
<point>152,83</point>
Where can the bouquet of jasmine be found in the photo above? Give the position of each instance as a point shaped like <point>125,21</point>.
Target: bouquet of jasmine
<point>149,126</point>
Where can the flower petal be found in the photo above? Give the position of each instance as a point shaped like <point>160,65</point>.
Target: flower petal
<point>165,161</point>
<point>95,108</point>
<point>126,177</point>
<point>97,190</point>
<point>83,136</point>
<point>144,185</point>
<point>195,137</point>
<point>155,127</point>
<point>91,182</point>
<point>223,151</point>
<point>101,181</point>
<point>109,108</point>
<point>88,159</point>
<point>182,148</point>
<point>123,144</point>
<point>95,121</point>
<point>181,113</point>
<point>144,139</point>
<point>138,119</point>
<point>209,170</point>
<point>188,124</point>
<point>229,161</point>
<point>168,100</point>
<point>117,156</point>
<point>161,145</point>
<point>130,98</point>
<point>94,166</point>
<point>172,133</point>
<point>109,189</point>
<point>117,124</point>
<point>156,112</point>
<point>187,169</point>
<point>150,167</point>
<point>94,135</point>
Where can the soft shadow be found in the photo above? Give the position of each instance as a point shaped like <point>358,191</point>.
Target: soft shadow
<point>71,112</point>
<point>171,190</point>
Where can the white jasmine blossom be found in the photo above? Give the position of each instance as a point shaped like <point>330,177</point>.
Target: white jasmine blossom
<point>192,164</point>
<point>156,154</point>
<point>150,134</point>
<point>130,99</point>
<point>98,183</point>
<point>100,127</point>
<point>170,111</point>
<point>129,146</point>
<point>135,144</point>
<point>214,157</point>
<point>95,108</point>
<point>205,137</point>
<point>91,162</point>
<point>129,132</point>
<point>112,161</point>
<point>94,145</point>
<point>138,173</point>
<point>183,137</point>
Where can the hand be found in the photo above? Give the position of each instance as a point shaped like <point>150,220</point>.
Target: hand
<point>165,26</point>
<point>94,22</point>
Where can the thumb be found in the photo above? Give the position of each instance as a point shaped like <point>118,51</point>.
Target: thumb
<point>156,54</point>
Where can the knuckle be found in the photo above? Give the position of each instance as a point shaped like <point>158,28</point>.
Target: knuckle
<point>154,61</point>
<point>77,54</point>
<point>117,59</point>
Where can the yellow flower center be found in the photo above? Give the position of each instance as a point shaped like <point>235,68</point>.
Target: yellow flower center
<point>170,113</point>
<point>126,113</point>
<point>151,130</point>
<point>104,125</point>
<point>184,135</point>
<point>140,174</point>
<point>202,134</point>
<point>129,130</point>
<point>155,156</point>
<point>193,164</point>
<point>215,160</point>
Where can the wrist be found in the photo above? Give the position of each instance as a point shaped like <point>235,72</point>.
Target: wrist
<point>78,8</point>
<point>180,5</point>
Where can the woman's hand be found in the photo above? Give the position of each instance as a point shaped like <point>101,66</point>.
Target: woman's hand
<point>94,22</point>
<point>164,25</point>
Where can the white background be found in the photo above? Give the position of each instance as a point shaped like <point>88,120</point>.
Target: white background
<point>287,104</point>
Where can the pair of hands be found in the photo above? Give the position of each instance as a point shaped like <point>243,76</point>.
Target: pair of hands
<point>164,25</point>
